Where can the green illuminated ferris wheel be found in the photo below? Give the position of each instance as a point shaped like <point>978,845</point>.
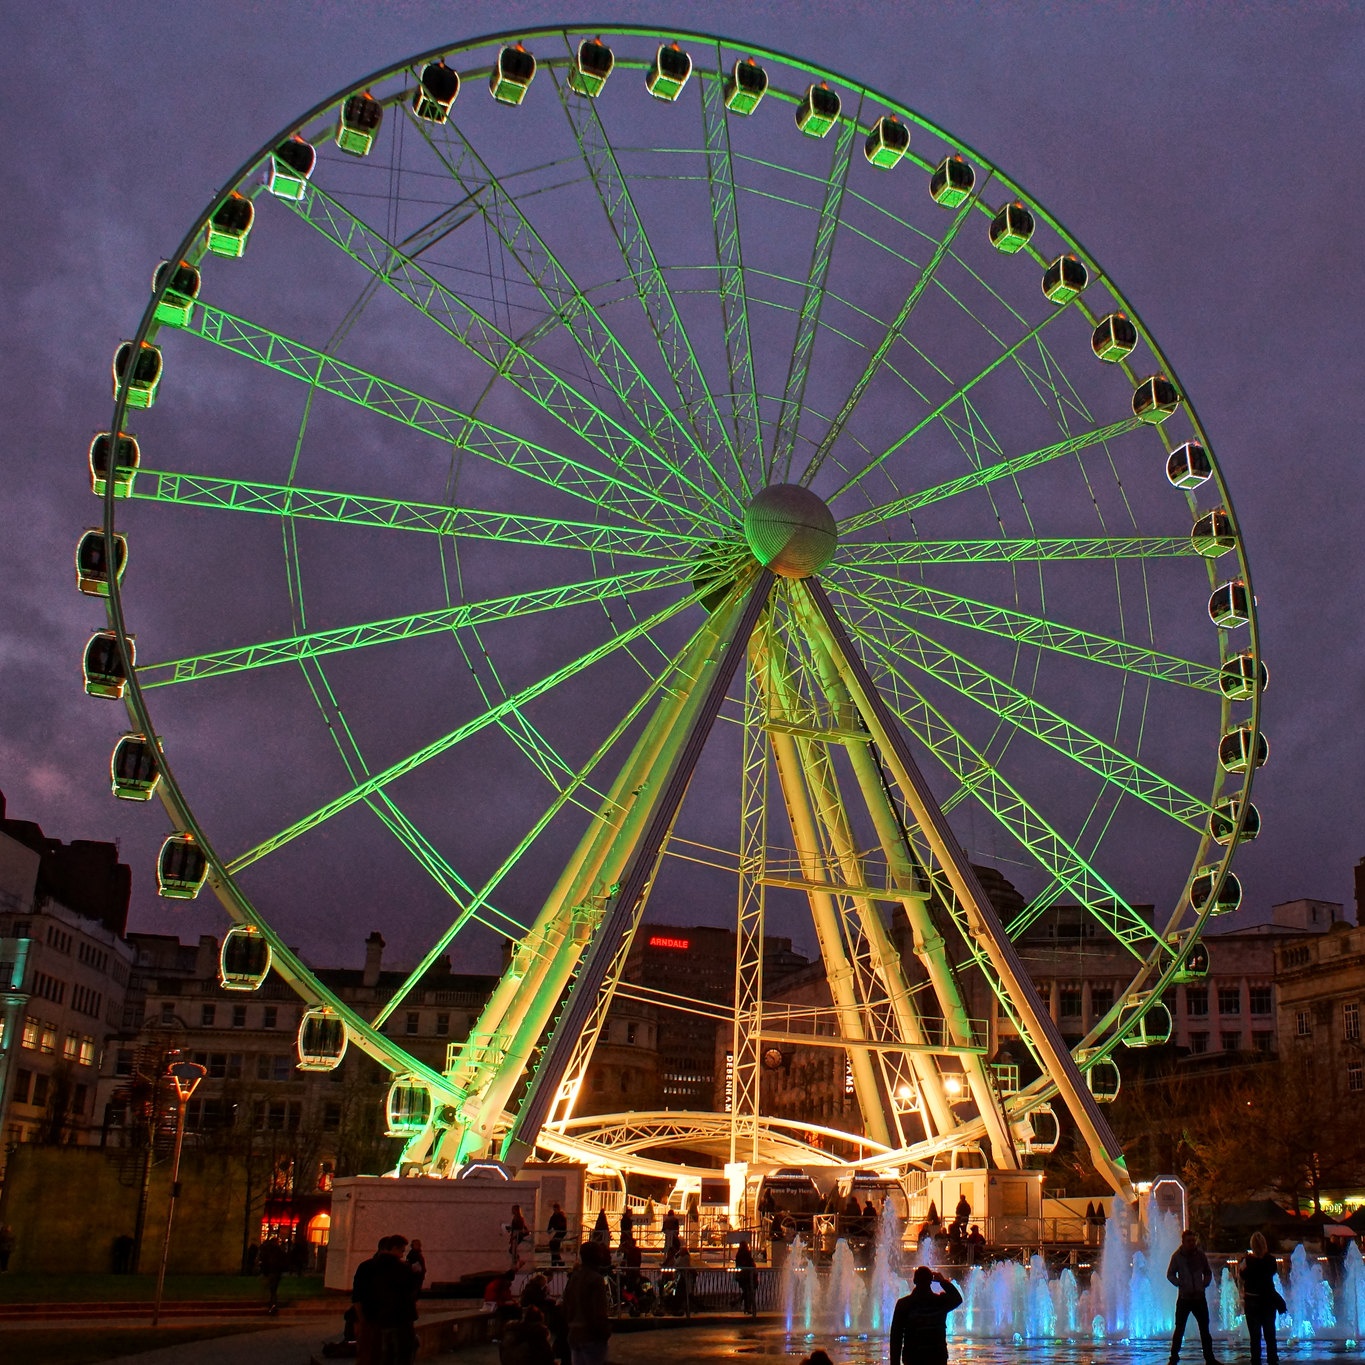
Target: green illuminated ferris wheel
<point>575,472</point>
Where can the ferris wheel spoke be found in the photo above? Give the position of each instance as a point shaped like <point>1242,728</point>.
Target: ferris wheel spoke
<point>979,478</point>
<point>326,374</point>
<point>914,598</point>
<point>979,778</point>
<point>500,352</point>
<point>893,333</point>
<point>567,305</point>
<point>457,523</point>
<point>890,554</point>
<point>734,298</point>
<point>398,628</point>
<point>381,780</point>
<point>812,300</point>
<point>1031,717</point>
<point>642,265</point>
<point>957,396</point>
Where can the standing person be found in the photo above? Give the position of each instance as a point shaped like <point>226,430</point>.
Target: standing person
<point>746,1272</point>
<point>627,1225</point>
<point>386,1306</point>
<point>417,1263</point>
<point>601,1230</point>
<point>586,1306</point>
<point>1191,1274</point>
<point>272,1260</point>
<point>669,1228</point>
<point>1260,1299</point>
<point>962,1215</point>
<point>919,1324</point>
<point>517,1233</point>
<point>976,1245</point>
<point>558,1228</point>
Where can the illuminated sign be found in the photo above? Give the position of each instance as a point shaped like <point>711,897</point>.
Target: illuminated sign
<point>659,941</point>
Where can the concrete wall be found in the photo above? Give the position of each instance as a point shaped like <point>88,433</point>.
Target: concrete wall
<point>67,1205</point>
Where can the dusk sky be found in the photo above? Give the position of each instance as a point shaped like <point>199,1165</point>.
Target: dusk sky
<point>1208,156</point>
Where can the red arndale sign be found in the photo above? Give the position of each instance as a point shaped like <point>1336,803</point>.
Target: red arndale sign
<point>659,941</point>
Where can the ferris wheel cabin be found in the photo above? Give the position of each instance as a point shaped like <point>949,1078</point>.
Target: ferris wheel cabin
<point>1145,1022</point>
<point>92,564</point>
<point>1214,534</point>
<point>358,123</point>
<point>1113,338</point>
<point>182,288</point>
<point>1038,1132</point>
<point>887,143</point>
<point>1229,895</point>
<point>1103,1080</point>
<point>291,165</point>
<point>1230,604</point>
<point>1225,817</point>
<point>181,868</point>
<point>102,665</point>
<point>670,72</point>
<point>134,773</point>
<point>437,88</point>
<point>1064,279</point>
<point>1011,228</point>
<point>1194,966</point>
<point>512,76</point>
<point>951,182</point>
<point>818,111</point>
<point>1155,399</point>
<point>322,1039</point>
<point>127,455</point>
<point>244,959</point>
<point>1243,748</point>
<point>1188,465</point>
<point>745,88</point>
<point>408,1108</point>
<point>592,64</point>
<point>1241,677</point>
<point>145,376</point>
<point>228,229</point>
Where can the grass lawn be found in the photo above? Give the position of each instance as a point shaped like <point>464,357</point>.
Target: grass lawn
<point>26,1288</point>
<point>91,1345</point>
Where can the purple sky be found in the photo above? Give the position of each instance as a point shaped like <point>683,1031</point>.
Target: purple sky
<point>1207,155</point>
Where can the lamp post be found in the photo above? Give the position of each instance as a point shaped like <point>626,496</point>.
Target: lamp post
<point>186,1076</point>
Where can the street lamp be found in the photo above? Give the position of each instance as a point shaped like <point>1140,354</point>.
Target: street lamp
<point>186,1076</point>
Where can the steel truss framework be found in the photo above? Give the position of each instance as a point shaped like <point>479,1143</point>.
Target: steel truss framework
<point>567,344</point>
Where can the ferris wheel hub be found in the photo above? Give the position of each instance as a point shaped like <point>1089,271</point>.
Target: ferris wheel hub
<point>790,530</point>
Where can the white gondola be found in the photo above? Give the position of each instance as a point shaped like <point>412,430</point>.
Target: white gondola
<point>1155,399</point>
<point>1064,279</point>
<point>1188,465</point>
<point>102,665</point>
<point>358,123</point>
<point>127,455</point>
<point>1225,817</point>
<point>746,86</point>
<point>228,230</point>
<point>1214,534</point>
<point>290,166</point>
<point>244,959</point>
<point>1243,748</point>
<point>511,78</point>
<point>1011,228</point>
<point>1101,1076</point>
<point>408,1107</point>
<point>181,868</point>
<point>146,372</point>
<point>134,773</point>
<point>1038,1132</point>
<point>92,563</point>
<point>818,111</point>
<point>1230,604</point>
<point>887,143</point>
<point>437,88</point>
<point>592,64</point>
<point>1242,676</point>
<point>951,182</point>
<point>182,288</point>
<point>1143,1024</point>
<point>1194,964</point>
<point>1113,338</point>
<point>1228,897</point>
<point>322,1039</point>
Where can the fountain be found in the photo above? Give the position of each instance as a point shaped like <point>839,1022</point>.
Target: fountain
<point>1126,1300</point>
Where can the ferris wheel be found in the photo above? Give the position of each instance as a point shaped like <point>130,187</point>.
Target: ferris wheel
<point>575,475</point>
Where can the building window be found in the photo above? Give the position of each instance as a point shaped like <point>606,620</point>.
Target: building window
<point>71,1047</point>
<point>1263,1040</point>
<point>1197,1002</point>
<point>206,1015</point>
<point>1069,1006</point>
<point>40,1084</point>
<point>1303,1024</point>
<point>331,1117</point>
<point>22,1081</point>
<point>630,1033</point>
<point>411,1022</point>
<point>1199,1042</point>
<point>442,1025</point>
<point>1101,1000</point>
<point>1229,1000</point>
<point>47,1039</point>
<point>239,1016</point>
<point>167,1012</point>
<point>78,1098</point>
<point>123,1062</point>
<point>1355,1077</point>
<point>1350,1022</point>
<point>30,1038</point>
<point>1262,999</point>
<point>1232,1042</point>
<point>283,1066</point>
<point>270,1016</point>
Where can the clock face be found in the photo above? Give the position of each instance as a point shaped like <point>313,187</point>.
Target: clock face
<point>772,1058</point>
